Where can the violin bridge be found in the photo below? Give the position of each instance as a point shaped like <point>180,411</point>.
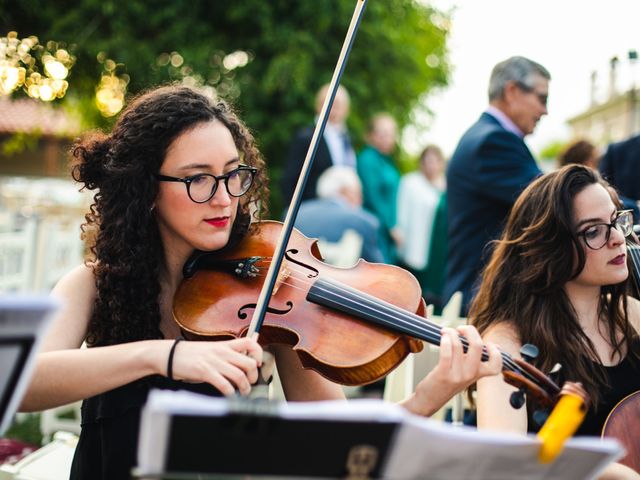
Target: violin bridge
<point>282,276</point>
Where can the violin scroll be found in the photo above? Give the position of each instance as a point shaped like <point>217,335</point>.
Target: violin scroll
<point>528,379</point>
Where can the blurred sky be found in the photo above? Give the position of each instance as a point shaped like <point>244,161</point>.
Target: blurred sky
<point>571,38</point>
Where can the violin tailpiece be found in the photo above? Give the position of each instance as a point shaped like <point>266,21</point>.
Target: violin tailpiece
<point>241,267</point>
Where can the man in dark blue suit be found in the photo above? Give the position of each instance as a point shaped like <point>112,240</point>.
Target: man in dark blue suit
<point>339,208</point>
<point>490,167</point>
<point>620,165</point>
<point>334,148</point>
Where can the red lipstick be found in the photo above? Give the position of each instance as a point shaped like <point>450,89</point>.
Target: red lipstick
<point>619,260</point>
<point>218,222</point>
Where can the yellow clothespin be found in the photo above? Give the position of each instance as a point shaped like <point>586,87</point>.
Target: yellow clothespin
<point>564,420</point>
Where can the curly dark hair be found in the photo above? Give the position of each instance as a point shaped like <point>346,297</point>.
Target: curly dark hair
<point>523,282</point>
<point>126,247</point>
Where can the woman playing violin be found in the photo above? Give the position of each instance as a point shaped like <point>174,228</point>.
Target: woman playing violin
<point>558,279</point>
<point>177,173</point>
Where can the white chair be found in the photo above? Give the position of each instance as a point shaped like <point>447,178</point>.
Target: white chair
<point>451,318</point>
<point>403,380</point>
<point>343,253</point>
<point>16,257</point>
<point>65,418</point>
<point>59,248</point>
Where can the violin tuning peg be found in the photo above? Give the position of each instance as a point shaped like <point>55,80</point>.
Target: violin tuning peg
<point>517,399</point>
<point>529,352</point>
<point>554,374</point>
<point>540,416</point>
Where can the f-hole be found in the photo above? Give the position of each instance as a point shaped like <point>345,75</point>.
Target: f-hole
<point>314,272</point>
<point>249,306</point>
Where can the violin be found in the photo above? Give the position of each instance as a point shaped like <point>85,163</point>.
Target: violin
<point>351,325</point>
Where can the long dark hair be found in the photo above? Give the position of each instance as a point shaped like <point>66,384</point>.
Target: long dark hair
<point>121,167</point>
<point>523,282</point>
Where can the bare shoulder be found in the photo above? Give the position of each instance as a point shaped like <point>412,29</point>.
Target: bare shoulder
<point>80,276</point>
<point>505,335</point>
<point>77,293</point>
<point>633,309</point>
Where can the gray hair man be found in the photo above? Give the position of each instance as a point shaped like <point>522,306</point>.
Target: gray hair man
<point>490,167</point>
<point>337,209</point>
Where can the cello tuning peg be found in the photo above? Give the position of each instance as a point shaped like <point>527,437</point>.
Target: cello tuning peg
<point>517,399</point>
<point>529,352</point>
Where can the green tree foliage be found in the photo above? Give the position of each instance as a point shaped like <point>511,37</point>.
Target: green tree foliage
<point>551,151</point>
<point>399,56</point>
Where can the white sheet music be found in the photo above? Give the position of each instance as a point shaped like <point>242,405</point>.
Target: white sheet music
<point>461,452</point>
<point>423,448</point>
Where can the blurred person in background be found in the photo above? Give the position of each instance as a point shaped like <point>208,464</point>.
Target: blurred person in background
<point>334,148</point>
<point>423,224</point>
<point>490,167</point>
<point>380,179</point>
<point>339,208</point>
<point>582,152</point>
<point>620,166</point>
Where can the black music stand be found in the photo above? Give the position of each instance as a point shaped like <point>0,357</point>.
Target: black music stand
<point>253,441</point>
<point>23,321</point>
<point>187,436</point>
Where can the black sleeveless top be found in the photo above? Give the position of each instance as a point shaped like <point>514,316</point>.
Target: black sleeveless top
<point>108,441</point>
<point>623,380</point>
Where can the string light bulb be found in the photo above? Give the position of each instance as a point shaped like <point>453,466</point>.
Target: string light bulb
<point>111,91</point>
<point>41,71</point>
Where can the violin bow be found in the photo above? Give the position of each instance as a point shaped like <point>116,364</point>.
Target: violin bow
<point>276,263</point>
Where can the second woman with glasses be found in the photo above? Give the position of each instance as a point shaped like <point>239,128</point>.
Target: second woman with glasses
<point>558,279</point>
<point>177,173</point>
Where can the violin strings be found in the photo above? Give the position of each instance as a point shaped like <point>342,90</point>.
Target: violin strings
<point>392,311</point>
<point>419,326</point>
<point>423,326</point>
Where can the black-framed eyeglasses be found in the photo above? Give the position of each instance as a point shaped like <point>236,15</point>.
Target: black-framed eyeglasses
<point>542,97</point>
<point>202,187</point>
<point>597,236</point>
